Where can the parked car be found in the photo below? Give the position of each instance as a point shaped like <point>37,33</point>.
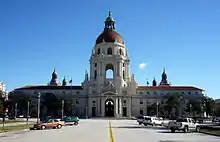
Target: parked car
<point>153,121</point>
<point>50,123</point>
<point>140,119</point>
<point>216,120</point>
<point>183,124</point>
<point>70,120</point>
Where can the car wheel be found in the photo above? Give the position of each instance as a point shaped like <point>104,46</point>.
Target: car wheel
<point>153,124</point>
<point>43,127</point>
<point>185,130</point>
<point>197,129</point>
<point>161,124</point>
<point>59,126</point>
<point>145,124</point>
<point>140,123</point>
<point>172,130</point>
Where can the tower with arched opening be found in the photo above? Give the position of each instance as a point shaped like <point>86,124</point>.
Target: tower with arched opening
<point>109,61</point>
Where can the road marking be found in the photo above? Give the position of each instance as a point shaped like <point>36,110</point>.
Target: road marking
<point>110,132</point>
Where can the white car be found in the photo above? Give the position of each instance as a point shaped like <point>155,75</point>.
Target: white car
<point>153,121</point>
<point>184,124</point>
<point>140,119</point>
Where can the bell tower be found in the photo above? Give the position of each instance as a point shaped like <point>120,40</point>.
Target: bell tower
<point>109,53</point>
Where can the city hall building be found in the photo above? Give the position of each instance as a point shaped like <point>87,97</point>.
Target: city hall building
<point>119,96</point>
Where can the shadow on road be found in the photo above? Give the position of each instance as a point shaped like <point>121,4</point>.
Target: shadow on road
<point>171,132</point>
<point>169,141</point>
<point>140,127</point>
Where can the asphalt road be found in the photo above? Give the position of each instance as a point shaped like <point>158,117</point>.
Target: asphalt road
<point>97,130</point>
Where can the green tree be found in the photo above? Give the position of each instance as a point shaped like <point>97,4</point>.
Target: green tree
<point>209,105</point>
<point>217,108</point>
<point>172,101</point>
<point>1,105</point>
<point>2,102</point>
<point>193,106</point>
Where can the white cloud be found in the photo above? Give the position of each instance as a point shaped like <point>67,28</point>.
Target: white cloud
<point>142,65</point>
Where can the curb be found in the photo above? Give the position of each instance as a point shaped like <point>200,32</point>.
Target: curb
<point>218,135</point>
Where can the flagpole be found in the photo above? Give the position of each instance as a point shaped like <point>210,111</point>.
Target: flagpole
<point>71,94</point>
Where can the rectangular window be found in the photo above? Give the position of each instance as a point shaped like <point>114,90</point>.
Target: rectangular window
<point>141,101</point>
<point>141,112</point>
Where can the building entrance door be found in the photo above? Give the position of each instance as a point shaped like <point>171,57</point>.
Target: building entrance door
<point>93,111</point>
<point>109,108</point>
<point>124,111</point>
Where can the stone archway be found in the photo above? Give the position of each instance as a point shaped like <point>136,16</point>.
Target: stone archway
<point>50,105</point>
<point>109,108</point>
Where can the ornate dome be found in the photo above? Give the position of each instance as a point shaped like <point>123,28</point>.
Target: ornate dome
<point>109,34</point>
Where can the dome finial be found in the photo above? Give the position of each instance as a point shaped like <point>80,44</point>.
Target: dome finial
<point>109,13</point>
<point>110,22</point>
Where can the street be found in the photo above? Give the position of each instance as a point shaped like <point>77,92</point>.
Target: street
<point>97,130</point>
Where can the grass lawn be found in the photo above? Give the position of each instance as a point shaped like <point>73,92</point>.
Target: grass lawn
<point>15,128</point>
<point>210,131</point>
<point>11,121</point>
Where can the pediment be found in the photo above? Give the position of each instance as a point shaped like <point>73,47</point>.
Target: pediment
<point>109,93</point>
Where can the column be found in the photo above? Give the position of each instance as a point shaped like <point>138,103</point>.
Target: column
<point>102,107</point>
<point>100,69</point>
<point>129,107</point>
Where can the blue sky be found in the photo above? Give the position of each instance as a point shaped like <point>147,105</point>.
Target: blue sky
<point>182,36</point>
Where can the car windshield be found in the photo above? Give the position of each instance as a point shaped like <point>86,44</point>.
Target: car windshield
<point>147,118</point>
<point>44,121</point>
<point>181,120</point>
<point>140,117</point>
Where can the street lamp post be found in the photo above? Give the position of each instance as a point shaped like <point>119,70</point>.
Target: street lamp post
<point>147,108</point>
<point>16,107</point>
<point>72,106</point>
<point>190,109</point>
<point>28,104</point>
<point>62,108</point>
<point>157,108</point>
<point>181,106</point>
<point>38,107</point>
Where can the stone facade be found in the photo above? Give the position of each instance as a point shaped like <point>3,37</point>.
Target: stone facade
<point>119,96</point>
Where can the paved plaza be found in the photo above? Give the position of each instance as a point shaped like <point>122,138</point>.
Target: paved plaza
<point>97,130</point>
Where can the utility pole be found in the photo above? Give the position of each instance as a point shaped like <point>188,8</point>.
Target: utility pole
<point>38,107</point>
<point>62,108</point>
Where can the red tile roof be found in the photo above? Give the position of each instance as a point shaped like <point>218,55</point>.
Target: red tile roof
<point>50,87</point>
<point>169,88</point>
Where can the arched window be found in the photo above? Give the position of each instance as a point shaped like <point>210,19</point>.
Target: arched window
<point>121,52</point>
<point>98,51</point>
<point>109,51</point>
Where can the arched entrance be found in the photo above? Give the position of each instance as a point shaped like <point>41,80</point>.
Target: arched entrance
<point>109,108</point>
<point>50,105</point>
